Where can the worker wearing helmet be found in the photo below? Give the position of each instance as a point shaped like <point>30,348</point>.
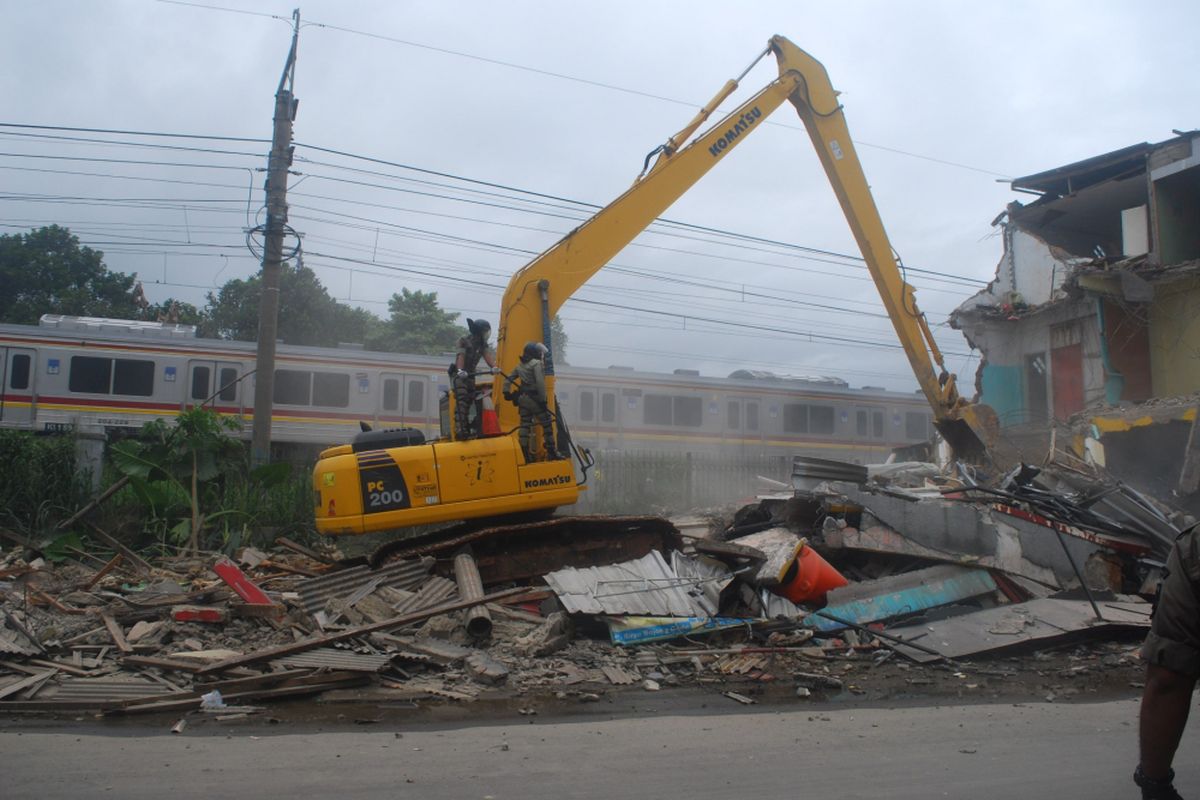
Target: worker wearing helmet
<point>526,386</point>
<point>472,348</point>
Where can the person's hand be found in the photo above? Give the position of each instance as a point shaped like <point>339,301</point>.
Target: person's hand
<point>462,373</point>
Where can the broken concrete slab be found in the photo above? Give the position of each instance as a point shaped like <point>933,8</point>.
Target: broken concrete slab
<point>551,636</point>
<point>485,669</point>
<point>1046,621</point>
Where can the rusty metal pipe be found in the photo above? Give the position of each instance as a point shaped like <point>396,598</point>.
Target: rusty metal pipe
<point>478,619</point>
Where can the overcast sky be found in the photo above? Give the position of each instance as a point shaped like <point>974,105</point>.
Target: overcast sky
<point>528,110</point>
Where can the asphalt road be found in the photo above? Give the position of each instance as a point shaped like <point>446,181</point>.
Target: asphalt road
<point>979,752</point>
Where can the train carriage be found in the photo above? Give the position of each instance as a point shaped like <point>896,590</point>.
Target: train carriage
<point>98,375</point>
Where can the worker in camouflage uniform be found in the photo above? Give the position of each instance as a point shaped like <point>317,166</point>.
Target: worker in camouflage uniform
<point>526,386</point>
<point>472,349</point>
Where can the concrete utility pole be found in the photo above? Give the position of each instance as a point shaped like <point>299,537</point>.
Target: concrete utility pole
<point>273,231</point>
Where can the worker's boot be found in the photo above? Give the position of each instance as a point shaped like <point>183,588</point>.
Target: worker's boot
<point>1163,789</point>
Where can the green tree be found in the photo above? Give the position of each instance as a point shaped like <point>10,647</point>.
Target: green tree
<point>186,457</point>
<point>307,314</point>
<point>417,325</point>
<point>558,340</point>
<point>47,271</point>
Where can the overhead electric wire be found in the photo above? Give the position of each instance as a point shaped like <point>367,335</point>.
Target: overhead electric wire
<point>809,335</point>
<point>126,132</point>
<point>39,137</point>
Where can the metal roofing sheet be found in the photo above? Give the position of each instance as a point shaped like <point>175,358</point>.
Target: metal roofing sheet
<point>434,592</point>
<point>316,592</point>
<point>334,658</point>
<point>644,586</point>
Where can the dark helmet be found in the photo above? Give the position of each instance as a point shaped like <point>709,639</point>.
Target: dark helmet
<point>534,350</point>
<point>479,327</point>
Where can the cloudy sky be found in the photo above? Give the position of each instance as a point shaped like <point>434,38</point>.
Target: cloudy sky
<point>442,144</point>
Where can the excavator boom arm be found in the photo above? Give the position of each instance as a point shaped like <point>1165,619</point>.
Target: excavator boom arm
<point>539,289</point>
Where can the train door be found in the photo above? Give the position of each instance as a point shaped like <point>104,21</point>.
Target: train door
<point>16,392</point>
<point>404,400</point>
<point>215,382</point>
<point>609,415</point>
<point>870,430</point>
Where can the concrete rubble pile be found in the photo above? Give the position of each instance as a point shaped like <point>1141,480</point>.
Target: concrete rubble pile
<point>877,581</point>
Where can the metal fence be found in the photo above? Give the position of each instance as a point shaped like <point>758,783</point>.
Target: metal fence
<point>636,482</point>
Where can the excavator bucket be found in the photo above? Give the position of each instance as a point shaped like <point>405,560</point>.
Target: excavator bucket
<point>971,433</point>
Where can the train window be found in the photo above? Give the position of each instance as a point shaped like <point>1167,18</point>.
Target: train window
<point>133,377</point>
<point>689,411</point>
<point>331,389</point>
<point>751,416</point>
<point>608,407</point>
<point>228,387</point>
<point>820,419</point>
<point>877,424</point>
<point>90,375</point>
<point>860,423</point>
<point>293,387</point>
<point>734,419</point>
<point>200,376</point>
<point>391,394</point>
<point>587,406</point>
<point>18,372</point>
<point>416,397</point>
<point>916,426</point>
<point>656,409</point>
<point>795,418</point>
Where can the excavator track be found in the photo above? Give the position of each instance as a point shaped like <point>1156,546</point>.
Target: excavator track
<point>524,551</point>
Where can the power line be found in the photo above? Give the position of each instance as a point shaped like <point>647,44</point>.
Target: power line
<point>124,132</point>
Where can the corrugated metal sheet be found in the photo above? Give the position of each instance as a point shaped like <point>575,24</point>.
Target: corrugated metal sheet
<point>102,690</point>
<point>316,592</point>
<point>334,658</point>
<point>434,592</point>
<point>645,586</point>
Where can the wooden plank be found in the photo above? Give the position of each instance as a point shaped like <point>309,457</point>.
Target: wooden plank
<point>107,568</point>
<point>161,663</point>
<point>118,635</point>
<point>138,562</point>
<point>283,541</point>
<point>67,668</point>
<point>272,653</point>
<point>184,704</point>
<point>25,683</point>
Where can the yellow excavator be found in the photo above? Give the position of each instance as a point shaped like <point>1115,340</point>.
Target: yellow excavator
<point>396,479</point>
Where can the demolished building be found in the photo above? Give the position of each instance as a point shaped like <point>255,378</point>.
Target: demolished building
<point>1089,331</point>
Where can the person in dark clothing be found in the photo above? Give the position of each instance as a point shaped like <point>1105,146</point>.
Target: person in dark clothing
<point>526,386</point>
<point>1172,656</point>
<point>472,349</point>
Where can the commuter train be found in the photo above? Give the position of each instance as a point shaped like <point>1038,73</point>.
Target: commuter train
<point>100,375</point>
